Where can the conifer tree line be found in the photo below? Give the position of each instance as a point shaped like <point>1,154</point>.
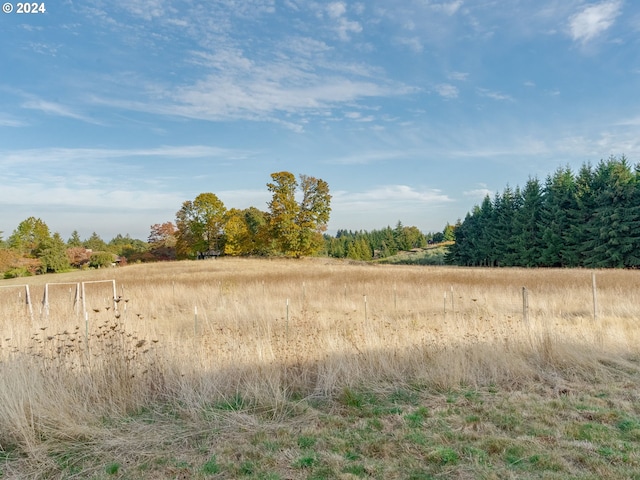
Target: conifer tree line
<point>586,219</point>
<point>367,245</point>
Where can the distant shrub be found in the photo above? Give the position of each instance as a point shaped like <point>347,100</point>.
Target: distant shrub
<point>79,257</point>
<point>432,256</point>
<point>101,259</point>
<point>17,273</point>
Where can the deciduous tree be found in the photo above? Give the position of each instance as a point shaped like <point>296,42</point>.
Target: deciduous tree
<point>200,225</point>
<point>162,242</point>
<point>297,228</point>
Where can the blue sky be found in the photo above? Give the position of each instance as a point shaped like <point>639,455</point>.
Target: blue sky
<point>113,112</point>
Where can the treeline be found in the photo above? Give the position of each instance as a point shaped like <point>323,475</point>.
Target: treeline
<point>586,219</point>
<point>31,249</point>
<point>365,245</point>
<point>290,227</point>
<point>202,226</point>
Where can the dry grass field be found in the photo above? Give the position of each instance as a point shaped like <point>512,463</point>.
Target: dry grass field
<point>285,369</point>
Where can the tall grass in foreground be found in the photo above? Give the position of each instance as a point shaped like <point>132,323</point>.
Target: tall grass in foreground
<point>345,326</point>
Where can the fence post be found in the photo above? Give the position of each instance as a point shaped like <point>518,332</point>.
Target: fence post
<point>445,305</point>
<point>286,324</point>
<point>28,299</point>
<point>595,298</point>
<point>395,297</point>
<point>45,301</point>
<point>453,310</point>
<point>76,300</point>
<point>115,294</point>
<point>84,301</point>
<point>525,305</point>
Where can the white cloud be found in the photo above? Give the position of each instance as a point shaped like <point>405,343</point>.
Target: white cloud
<point>364,158</point>
<point>47,156</point>
<point>218,97</point>
<point>593,20</point>
<point>388,197</point>
<point>413,43</point>
<point>264,92</point>
<point>447,91</point>
<point>54,191</point>
<point>336,9</point>
<point>478,193</point>
<point>448,8</point>
<point>344,27</point>
<point>10,121</point>
<point>483,92</point>
<point>630,122</point>
<point>459,76</point>
<point>52,108</point>
<point>147,9</point>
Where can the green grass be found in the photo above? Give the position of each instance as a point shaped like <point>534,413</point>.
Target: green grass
<point>211,466</point>
<point>112,468</point>
<point>432,255</point>
<point>484,433</point>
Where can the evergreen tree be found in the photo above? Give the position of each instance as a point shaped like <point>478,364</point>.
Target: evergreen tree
<point>559,199</point>
<point>74,240</point>
<point>29,234</point>
<point>579,217</point>
<point>460,253</point>
<point>52,253</point>
<point>449,233</point>
<point>614,229</point>
<point>526,241</point>
<point>483,233</point>
<point>501,228</point>
<point>95,243</point>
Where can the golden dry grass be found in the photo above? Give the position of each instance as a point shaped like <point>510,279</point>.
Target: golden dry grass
<point>267,331</point>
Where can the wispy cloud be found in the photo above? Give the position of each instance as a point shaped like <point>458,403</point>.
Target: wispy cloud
<point>629,122</point>
<point>483,92</point>
<point>364,158</point>
<point>413,43</point>
<point>72,155</point>
<point>337,11</point>
<point>34,194</point>
<point>147,9</point>
<point>447,91</point>
<point>277,92</point>
<point>448,8</point>
<point>594,20</point>
<point>459,76</point>
<point>478,193</point>
<point>389,196</point>
<point>56,109</point>
<point>10,121</point>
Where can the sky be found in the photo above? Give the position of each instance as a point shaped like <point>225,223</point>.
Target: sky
<point>113,112</point>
